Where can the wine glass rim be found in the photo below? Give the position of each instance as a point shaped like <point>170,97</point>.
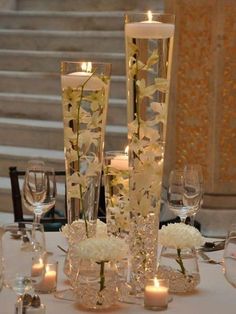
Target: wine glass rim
<point>41,168</point>
<point>22,225</point>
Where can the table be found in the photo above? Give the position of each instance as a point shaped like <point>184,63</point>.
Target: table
<point>213,295</point>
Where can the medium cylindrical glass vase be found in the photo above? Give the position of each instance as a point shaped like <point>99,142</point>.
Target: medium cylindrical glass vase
<point>149,42</point>
<point>85,90</point>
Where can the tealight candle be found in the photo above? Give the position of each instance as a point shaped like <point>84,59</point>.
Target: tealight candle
<point>156,294</point>
<point>37,268</point>
<point>49,282</point>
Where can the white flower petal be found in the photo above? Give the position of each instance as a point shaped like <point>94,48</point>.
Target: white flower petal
<point>180,235</point>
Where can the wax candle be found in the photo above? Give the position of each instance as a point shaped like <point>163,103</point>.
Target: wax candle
<point>76,79</point>
<point>37,268</point>
<point>149,29</point>
<point>49,281</point>
<point>156,294</point>
<point>120,162</point>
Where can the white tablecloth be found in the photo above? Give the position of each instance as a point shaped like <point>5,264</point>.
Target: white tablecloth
<point>213,295</point>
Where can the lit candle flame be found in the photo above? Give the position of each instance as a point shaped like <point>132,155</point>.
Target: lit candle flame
<point>47,269</point>
<point>127,150</point>
<point>86,66</point>
<point>149,14</point>
<point>156,282</point>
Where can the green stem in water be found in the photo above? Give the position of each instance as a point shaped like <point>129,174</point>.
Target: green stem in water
<point>102,275</point>
<point>86,224</point>
<point>180,262</point>
<point>78,155</point>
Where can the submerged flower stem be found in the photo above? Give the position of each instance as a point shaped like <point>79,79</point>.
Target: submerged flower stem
<point>180,261</point>
<point>102,275</point>
<point>137,100</point>
<point>86,224</point>
<point>78,152</point>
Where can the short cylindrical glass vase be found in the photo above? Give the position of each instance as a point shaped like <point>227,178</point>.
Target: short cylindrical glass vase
<point>97,283</point>
<point>180,266</point>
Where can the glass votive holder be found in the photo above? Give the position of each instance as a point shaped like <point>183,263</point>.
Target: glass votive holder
<point>49,281</point>
<point>37,267</point>
<point>156,294</point>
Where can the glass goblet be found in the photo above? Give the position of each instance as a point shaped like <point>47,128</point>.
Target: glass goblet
<point>229,265</point>
<point>19,256</point>
<point>193,175</point>
<point>183,193</point>
<point>39,190</point>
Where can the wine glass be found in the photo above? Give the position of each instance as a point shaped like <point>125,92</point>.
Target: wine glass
<point>39,189</point>
<point>183,193</point>
<point>194,177</point>
<point>19,256</point>
<point>229,264</point>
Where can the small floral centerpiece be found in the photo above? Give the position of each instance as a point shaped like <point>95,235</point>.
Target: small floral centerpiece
<point>74,234</point>
<point>97,281</point>
<point>178,260</point>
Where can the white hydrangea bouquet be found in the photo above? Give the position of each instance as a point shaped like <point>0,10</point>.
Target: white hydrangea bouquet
<point>180,236</point>
<point>74,234</point>
<point>102,249</point>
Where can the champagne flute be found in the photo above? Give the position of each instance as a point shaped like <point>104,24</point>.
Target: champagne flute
<point>183,193</point>
<point>19,256</point>
<point>39,189</point>
<point>229,262</point>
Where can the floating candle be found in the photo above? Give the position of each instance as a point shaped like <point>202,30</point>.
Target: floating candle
<point>77,79</point>
<point>149,29</point>
<point>120,162</point>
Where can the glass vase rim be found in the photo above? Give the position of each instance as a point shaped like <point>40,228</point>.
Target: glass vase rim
<point>179,248</point>
<point>22,225</point>
<point>162,281</point>
<point>154,14</point>
<point>103,68</point>
<point>86,61</point>
<point>114,153</point>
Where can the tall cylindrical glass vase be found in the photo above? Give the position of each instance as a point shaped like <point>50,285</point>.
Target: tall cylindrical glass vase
<point>85,89</point>
<point>149,42</point>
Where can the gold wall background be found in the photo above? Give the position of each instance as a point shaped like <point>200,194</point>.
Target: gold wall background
<point>202,116</point>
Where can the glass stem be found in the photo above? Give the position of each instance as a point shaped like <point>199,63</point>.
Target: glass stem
<point>190,220</point>
<point>19,305</point>
<point>37,218</point>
